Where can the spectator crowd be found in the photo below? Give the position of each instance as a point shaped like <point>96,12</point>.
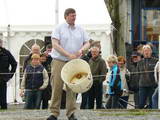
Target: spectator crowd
<point>137,76</point>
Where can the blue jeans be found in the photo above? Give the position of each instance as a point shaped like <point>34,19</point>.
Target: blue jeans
<point>144,94</point>
<point>33,99</point>
<point>155,99</point>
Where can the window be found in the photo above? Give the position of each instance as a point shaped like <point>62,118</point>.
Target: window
<point>150,3</point>
<point>135,20</point>
<point>150,24</point>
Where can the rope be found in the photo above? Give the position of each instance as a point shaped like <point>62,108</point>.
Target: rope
<point>21,73</point>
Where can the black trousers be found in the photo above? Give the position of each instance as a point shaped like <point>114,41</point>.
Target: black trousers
<point>46,96</point>
<point>84,103</point>
<point>45,99</point>
<point>95,93</point>
<point>3,94</point>
<point>63,100</point>
<point>123,102</point>
<point>112,102</point>
<point>136,99</point>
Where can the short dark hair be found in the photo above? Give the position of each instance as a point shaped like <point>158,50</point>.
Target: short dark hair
<point>42,55</point>
<point>68,11</point>
<point>49,46</point>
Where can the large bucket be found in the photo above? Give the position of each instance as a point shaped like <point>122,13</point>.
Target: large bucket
<point>76,74</point>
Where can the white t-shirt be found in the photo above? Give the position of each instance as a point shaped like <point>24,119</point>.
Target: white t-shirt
<point>70,38</point>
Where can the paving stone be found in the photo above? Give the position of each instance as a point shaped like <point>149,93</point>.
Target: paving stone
<point>18,113</point>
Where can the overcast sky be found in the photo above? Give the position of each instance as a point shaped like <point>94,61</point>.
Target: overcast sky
<point>37,12</point>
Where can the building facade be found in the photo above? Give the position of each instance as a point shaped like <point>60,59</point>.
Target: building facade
<point>145,25</point>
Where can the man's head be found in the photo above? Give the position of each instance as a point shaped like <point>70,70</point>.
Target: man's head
<point>70,16</point>
<point>48,49</point>
<point>43,57</point>
<point>95,51</point>
<point>1,43</point>
<point>147,51</point>
<point>35,49</point>
<point>35,59</point>
<point>96,43</point>
<point>140,49</point>
<point>135,57</point>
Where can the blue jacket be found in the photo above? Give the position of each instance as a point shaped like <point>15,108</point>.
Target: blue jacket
<point>115,83</point>
<point>34,77</point>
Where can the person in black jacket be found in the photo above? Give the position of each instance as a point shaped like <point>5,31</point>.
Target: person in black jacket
<point>46,93</point>
<point>133,81</point>
<point>87,56</point>
<point>147,83</point>
<point>99,70</point>
<point>7,69</point>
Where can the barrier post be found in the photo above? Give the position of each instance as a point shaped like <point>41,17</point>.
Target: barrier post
<point>15,88</point>
<point>159,76</point>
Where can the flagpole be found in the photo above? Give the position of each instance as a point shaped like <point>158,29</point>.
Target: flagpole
<point>57,12</point>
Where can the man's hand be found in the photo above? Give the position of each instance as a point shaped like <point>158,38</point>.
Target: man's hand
<point>72,56</point>
<point>79,53</point>
<point>75,55</point>
<point>41,88</point>
<point>21,92</point>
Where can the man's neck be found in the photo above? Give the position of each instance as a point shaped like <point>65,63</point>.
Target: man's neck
<point>70,24</point>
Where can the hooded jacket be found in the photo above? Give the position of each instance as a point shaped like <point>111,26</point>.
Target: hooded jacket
<point>115,82</point>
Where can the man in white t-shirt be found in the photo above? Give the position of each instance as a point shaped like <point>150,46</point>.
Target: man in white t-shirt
<point>68,41</point>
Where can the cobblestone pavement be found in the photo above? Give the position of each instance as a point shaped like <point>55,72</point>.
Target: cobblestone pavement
<point>15,113</point>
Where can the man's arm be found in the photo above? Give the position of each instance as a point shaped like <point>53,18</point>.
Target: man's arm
<point>45,79</point>
<point>22,84</point>
<point>156,70</point>
<point>103,70</point>
<point>84,47</point>
<point>56,46</point>
<point>13,64</point>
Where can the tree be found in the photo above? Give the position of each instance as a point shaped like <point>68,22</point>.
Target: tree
<point>116,15</point>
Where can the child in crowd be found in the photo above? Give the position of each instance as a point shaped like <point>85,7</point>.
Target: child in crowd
<point>35,80</point>
<point>115,85</point>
